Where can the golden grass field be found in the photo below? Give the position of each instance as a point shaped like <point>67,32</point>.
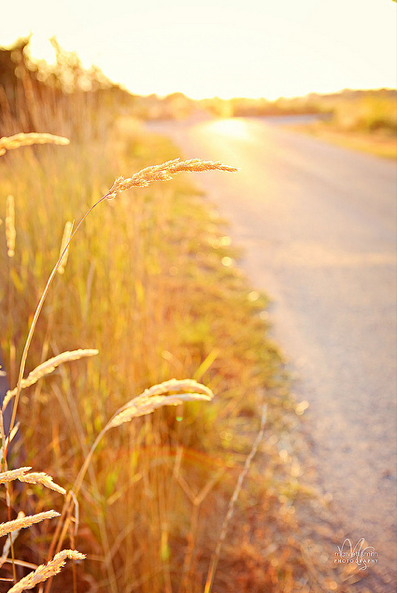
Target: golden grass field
<point>151,284</point>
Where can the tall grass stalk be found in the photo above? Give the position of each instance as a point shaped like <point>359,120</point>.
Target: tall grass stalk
<point>143,178</point>
<point>169,393</point>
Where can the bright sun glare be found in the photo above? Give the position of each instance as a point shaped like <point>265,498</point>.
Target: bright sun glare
<point>225,48</point>
<point>233,127</point>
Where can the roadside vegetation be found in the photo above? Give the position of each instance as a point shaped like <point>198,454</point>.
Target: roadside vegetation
<point>362,120</point>
<point>151,283</point>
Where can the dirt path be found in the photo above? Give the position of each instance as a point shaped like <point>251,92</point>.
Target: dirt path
<point>318,224</point>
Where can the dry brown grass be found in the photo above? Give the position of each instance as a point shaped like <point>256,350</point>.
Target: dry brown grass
<point>164,172</point>
<point>25,522</point>
<point>64,251</point>
<point>18,140</point>
<point>46,571</point>
<point>22,475</point>
<point>215,559</point>
<point>46,368</point>
<point>144,283</point>
<point>172,392</point>
<point>143,178</point>
<point>10,226</point>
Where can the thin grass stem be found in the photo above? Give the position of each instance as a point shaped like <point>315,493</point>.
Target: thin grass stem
<point>215,557</point>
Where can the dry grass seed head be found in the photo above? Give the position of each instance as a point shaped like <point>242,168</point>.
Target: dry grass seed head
<point>25,522</point>
<point>10,142</point>
<point>164,172</point>
<point>43,479</point>
<point>48,367</point>
<point>169,393</point>
<point>13,474</point>
<point>46,571</point>
<point>9,541</point>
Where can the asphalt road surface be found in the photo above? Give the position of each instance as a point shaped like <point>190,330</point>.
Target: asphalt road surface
<point>318,226</point>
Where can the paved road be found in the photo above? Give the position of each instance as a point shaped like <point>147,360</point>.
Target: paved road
<point>318,224</point>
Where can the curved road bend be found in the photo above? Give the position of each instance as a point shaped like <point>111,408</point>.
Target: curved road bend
<point>318,224</point>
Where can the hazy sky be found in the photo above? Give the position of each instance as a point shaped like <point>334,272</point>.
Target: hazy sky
<point>219,47</point>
